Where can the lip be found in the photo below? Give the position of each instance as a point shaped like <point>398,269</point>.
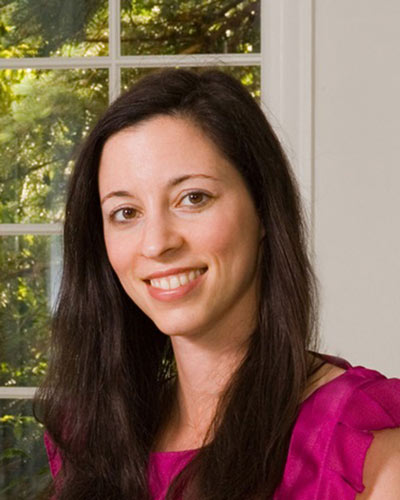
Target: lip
<point>175,293</point>
<point>169,272</point>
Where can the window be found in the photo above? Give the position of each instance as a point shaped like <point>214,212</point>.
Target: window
<point>61,63</point>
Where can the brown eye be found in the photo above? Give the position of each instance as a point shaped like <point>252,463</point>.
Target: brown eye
<point>124,214</point>
<point>128,213</point>
<point>195,198</point>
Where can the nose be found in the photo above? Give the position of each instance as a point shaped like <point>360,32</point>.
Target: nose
<point>160,237</point>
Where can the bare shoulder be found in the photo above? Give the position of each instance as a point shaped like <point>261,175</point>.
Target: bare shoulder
<point>381,475</point>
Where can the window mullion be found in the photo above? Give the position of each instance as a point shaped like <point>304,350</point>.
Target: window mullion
<point>35,229</point>
<point>114,49</point>
<point>17,392</point>
<point>157,61</point>
<point>55,62</point>
<point>160,61</point>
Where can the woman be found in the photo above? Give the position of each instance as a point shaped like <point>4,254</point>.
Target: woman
<point>183,361</point>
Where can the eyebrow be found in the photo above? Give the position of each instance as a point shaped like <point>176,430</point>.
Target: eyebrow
<point>178,180</point>
<point>171,183</point>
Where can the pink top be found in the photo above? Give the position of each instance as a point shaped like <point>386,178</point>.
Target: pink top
<point>329,442</point>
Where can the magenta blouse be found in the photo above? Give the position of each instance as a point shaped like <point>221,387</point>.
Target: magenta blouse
<point>329,442</point>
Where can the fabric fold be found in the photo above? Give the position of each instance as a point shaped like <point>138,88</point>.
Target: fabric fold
<point>333,433</point>
<point>347,454</point>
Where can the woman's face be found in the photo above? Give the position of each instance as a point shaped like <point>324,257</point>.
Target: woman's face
<point>180,227</point>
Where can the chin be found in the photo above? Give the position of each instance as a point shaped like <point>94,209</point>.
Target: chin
<point>178,325</point>
<point>174,329</point>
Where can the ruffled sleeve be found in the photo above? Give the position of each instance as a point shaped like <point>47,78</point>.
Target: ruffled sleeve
<point>333,432</point>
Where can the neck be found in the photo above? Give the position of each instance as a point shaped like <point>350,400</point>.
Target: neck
<point>205,365</point>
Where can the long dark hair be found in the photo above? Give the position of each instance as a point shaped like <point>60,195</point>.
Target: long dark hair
<point>111,368</point>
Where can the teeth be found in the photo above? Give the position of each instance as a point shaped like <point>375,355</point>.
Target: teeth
<point>175,281</point>
<point>183,279</point>
<point>164,284</point>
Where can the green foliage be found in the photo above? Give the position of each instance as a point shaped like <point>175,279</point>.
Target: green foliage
<point>53,27</point>
<point>25,276</point>
<point>248,75</point>
<point>49,112</point>
<point>23,467</point>
<point>44,115</point>
<point>190,26</point>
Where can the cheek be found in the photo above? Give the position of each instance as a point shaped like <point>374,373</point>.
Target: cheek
<point>213,237</point>
<point>119,254</point>
<point>234,239</point>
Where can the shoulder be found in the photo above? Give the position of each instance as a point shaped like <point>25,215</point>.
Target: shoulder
<point>381,474</point>
<point>324,375</point>
<point>346,438</point>
<point>348,389</point>
<point>367,432</point>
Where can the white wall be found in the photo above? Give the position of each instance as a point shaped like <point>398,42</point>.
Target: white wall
<point>357,178</point>
<point>353,173</point>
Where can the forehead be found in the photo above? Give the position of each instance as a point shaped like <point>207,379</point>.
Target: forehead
<point>160,148</point>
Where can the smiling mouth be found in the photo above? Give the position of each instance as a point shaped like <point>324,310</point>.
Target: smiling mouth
<point>176,280</point>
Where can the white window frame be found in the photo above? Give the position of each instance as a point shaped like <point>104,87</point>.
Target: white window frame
<point>287,87</point>
<point>286,60</point>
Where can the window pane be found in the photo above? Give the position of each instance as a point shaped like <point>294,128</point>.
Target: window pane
<point>248,75</point>
<point>24,471</point>
<point>30,269</point>
<point>190,26</point>
<point>54,28</point>
<point>43,117</point>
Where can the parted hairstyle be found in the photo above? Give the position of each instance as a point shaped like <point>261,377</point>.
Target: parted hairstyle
<point>111,371</point>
